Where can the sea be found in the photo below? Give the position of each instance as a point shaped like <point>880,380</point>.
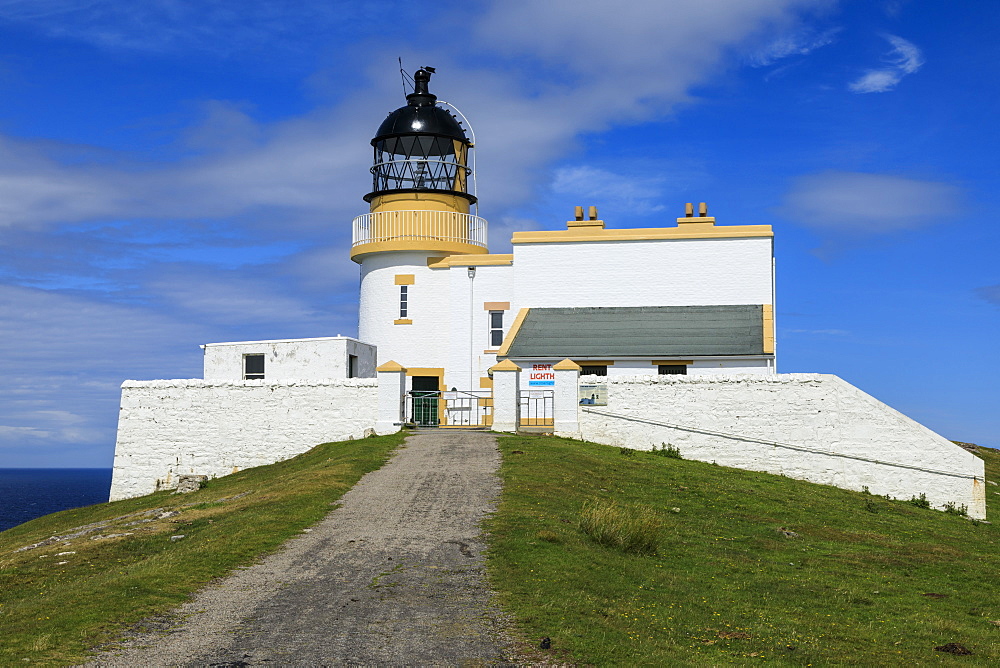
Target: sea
<point>29,493</point>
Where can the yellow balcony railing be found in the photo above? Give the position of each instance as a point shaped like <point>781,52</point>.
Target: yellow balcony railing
<point>446,226</point>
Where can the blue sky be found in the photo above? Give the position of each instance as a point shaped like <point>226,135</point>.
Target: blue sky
<point>177,172</point>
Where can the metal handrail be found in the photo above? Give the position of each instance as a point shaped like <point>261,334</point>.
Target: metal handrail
<point>419,226</point>
<point>776,444</point>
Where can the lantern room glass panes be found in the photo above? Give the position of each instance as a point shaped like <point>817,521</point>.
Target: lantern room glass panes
<point>420,162</point>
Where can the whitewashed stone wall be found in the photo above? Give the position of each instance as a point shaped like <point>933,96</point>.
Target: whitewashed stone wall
<point>213,428</point>
<point>812,427</point>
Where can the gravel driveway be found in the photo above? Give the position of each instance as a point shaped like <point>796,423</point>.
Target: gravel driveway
<point>395,575</point>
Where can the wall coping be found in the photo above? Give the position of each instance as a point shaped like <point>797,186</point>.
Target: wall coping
<point>306,340</point>
<point>199,382</point>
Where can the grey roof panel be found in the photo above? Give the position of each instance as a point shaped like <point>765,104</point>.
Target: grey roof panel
<point>644,331</point>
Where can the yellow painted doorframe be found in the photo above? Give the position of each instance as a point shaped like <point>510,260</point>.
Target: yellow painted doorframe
<point>439,373</point>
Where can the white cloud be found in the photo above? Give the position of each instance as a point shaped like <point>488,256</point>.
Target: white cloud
<point>67,357</point>
<point>893,8</point>
<point>300,167</point>
<point>904,58</point>
<point>229,298</point>
<point>638,194</point>
<point>990,293</point>
<point>502,229</point>
<point>858,203</point>
<point>799,42</point>
<point>309,170</point>
<point>18,434</point>
<point>228,28</point>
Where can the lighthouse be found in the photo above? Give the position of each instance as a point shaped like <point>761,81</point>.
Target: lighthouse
<point>420,213</point>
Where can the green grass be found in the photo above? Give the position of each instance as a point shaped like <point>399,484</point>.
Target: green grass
<point>621,559</point>
<point>51,613</point>
<point>631,529</point>
<point>726,585</point>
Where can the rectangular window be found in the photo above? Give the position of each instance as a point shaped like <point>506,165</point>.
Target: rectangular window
<point>496,329</point>
<point>672,369</point>
<point>403,300</point>
<point>352,366</point>
<point>594,370</point>
<point>253,367</point>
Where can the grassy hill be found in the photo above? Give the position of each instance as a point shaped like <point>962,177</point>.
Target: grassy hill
<point>731,567</point>
<point>749,567</point>
<point>112,565</point>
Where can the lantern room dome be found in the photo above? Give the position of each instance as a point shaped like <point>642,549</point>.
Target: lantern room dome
<point>427,119</point>
<point>421,115</point>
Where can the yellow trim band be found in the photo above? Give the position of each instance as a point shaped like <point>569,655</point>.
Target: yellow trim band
<point>431,245</point>
<point>404,279</point>
<point>595,362</point>
<point>426,371</point>
<point>488,260</point>
<point>768,312</point>
<point>496,306</point>
<point>512,332</point>
<point>402,321</point>
<point>671,362</point>
<point>643,234</point>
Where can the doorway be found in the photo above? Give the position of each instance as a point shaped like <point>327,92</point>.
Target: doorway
<point>425,394</point>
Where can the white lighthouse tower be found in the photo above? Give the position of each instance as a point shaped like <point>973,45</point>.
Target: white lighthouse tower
<point>420,213</point>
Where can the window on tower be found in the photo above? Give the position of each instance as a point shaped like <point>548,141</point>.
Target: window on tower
<point>496,329</point>
<point>403,301</point>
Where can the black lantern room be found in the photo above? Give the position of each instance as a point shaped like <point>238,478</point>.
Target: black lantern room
<point>421,148</point>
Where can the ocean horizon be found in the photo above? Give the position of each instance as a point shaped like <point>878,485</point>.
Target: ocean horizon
<point>27,493</point>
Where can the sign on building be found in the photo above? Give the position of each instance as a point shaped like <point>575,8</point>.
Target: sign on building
<point>594,394</point>
<point>541,374</point>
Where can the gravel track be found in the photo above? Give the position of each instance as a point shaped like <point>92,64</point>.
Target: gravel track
<point>394,576</point>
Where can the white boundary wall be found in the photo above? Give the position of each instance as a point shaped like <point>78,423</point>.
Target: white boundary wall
<point>813,427</point>
<point>172,427</point>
